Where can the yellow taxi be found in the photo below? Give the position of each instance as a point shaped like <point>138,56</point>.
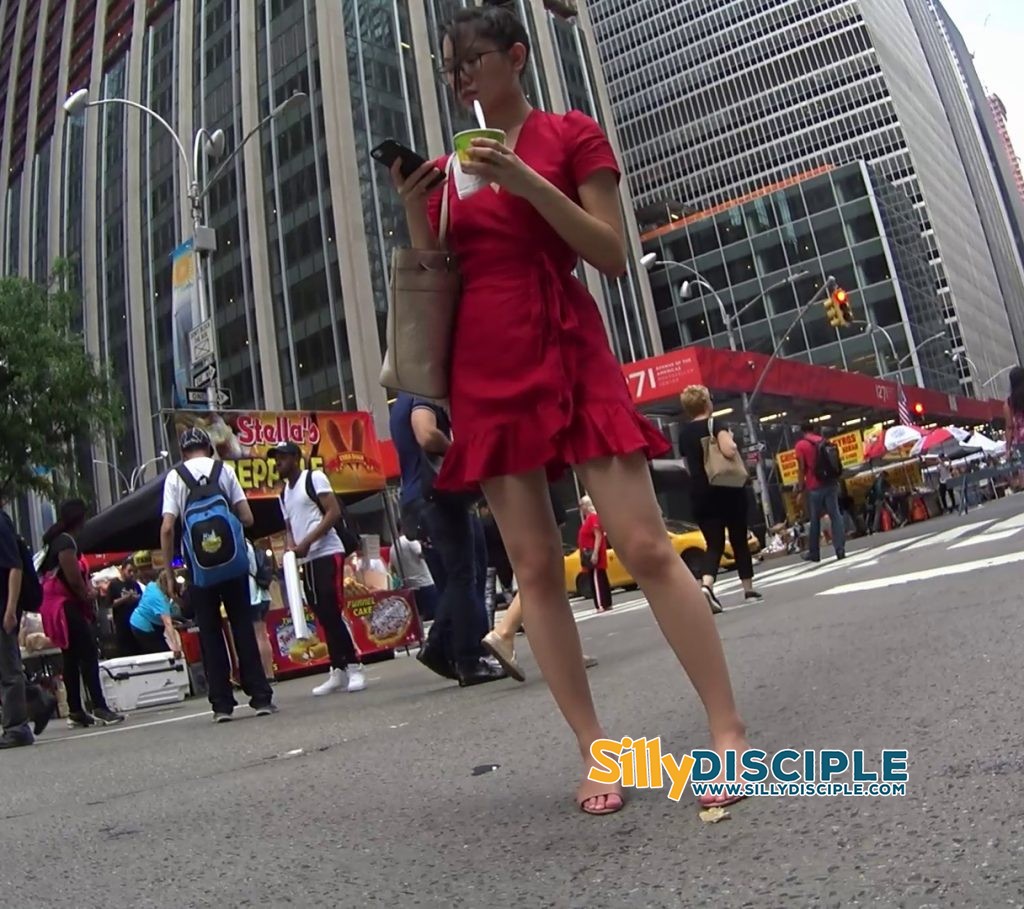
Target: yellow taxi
<point>687,541</point>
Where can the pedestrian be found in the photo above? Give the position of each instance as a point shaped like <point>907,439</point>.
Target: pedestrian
<point>422,434</point>
<point>124,594</point>
<point>718,510</point>
<point>19,701</point>
<point>556,395</point>
<point>69,616</point>
<point>1013,416</point>
<point>819,469</point>
<point>261,576</point>
<point>151,620</point>
<point>500,642</point>
<point>410,567</point>
<point>946,486</point>
<point>499,568</point>
<point>202,497</point>
<point>593,545</point>
<point>311,511</point>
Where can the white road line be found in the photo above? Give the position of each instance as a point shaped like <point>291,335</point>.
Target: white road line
<point>924,575</point>
<point>128,727</point>
<point>946,536</point>
<point>986,536</point>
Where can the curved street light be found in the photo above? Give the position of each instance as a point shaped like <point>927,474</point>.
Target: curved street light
<point>210,144</point>
<point>140,471</point>
<point>117,470</point>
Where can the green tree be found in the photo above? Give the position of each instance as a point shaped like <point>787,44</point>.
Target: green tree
<point>53,394</point>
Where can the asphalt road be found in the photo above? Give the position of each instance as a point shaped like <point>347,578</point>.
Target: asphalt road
<point>415,793</point>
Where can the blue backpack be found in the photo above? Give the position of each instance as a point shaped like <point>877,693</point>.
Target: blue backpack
<point>213,537</point>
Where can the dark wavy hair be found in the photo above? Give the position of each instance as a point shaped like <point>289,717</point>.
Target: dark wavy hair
<point>497,24</point>
<point>1016,398</point>
<point>71,517</point>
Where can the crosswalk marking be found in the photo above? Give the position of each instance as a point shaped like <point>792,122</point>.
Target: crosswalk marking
<point>986,536</point>
<point>924,575</point>
<point>946,536</point>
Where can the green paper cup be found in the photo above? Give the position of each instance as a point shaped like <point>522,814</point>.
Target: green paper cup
<point>464,139</point>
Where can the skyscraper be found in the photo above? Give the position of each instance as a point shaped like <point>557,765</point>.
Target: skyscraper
<point>304,220</point>
<point>716,101</point>
<point>999,114</point>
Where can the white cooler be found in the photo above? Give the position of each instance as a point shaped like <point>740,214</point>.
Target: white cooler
<point>143,681</point>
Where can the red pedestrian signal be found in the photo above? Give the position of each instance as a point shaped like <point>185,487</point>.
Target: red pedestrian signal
<point>918,409</point>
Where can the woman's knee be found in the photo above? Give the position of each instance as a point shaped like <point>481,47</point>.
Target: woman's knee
<point>538,566</point>
<point>647,554</point>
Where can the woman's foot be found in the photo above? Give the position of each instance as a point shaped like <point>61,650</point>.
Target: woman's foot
<point>753,596</point>
<point>504,652</point>
<point>732,741</point>
<point>598,798</point>
<point>713,601</point>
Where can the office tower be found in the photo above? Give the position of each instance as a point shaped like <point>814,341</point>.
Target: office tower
<point>998,110</point>
<point>716,101</point>
<point>304,220</point>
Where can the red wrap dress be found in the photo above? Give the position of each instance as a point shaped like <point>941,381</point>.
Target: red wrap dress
<point>534,383</point>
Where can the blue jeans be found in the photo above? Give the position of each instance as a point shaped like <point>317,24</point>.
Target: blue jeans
<point>818,501</point>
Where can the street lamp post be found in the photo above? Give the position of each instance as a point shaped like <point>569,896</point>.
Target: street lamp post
<point>649,261</point>
<point>997,375</point>
<point>207,144</point>
<point>117,470</point>
<point>140,471</point>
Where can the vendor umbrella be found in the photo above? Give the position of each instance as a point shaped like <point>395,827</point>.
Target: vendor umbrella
<point>944,440</point>
<point>893,438</point>
<point>985,444</point>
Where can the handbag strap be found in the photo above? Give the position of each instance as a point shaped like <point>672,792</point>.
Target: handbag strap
<point>442,232</point>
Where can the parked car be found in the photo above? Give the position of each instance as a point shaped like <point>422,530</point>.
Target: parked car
<point>687,541</point>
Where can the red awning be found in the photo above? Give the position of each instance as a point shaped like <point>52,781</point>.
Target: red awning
<point>665,377</point>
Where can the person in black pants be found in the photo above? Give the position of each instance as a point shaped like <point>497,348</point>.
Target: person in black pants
<point>421,432</point>
<point>65,579</point>
<point>717,509</point>
<point>205,602</point>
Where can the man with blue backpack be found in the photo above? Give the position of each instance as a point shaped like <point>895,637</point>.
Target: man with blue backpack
<point>202,495</point>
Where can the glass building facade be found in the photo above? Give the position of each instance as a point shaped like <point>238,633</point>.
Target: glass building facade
<point>849,223</point>
<point>304,221</point>
<point>716,100</point>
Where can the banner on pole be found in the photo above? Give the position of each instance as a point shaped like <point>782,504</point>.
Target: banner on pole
<point>184,317</point>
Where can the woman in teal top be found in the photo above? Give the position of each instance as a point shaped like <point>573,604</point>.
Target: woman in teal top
<point>151,619</point>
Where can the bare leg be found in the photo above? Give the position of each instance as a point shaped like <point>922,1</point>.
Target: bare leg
<point>512,621</point>
<point>522,508</point>
<point>624,495</point>
<point>263,643</point>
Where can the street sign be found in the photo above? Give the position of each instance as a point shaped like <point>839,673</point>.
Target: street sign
<point>205,377</point>
<point>201,341</point>
<point>220,397</point>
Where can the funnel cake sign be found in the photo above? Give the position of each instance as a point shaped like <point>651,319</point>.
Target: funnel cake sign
<point>343,445</point>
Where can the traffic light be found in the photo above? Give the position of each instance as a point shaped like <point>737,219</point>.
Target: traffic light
<point>841,303</point>
<point>918,409</point>
<point>832,311</point>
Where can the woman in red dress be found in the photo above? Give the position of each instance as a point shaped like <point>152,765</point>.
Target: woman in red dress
<point>534,384</point>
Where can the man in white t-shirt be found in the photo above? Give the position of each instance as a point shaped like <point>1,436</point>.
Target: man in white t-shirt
<point>311,511</point>
<point>411,568</point>
<point>197,455</point>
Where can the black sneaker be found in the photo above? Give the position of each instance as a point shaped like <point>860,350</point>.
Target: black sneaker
<point>222,717</point>
<point>713,601</point>
<point>41,717</point>
<point>106,717</point>
<point>11,739</point>
<point>265,710</point>
<point>754,596</point>
<point>81,720</point>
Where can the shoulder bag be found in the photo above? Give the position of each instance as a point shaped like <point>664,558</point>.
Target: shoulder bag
<point>421,315</point>
<point>722,471</point>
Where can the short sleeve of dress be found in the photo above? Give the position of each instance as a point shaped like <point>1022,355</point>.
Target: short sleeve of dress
<point>434,199</point>
<point>590,150</point>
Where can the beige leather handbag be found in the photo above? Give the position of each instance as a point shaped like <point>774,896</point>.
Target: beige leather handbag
<point>722,471</point>
<point>421,315</point>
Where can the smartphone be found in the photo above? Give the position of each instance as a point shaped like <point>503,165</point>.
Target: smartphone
<point>391,150</point>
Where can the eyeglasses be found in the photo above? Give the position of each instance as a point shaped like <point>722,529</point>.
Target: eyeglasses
<point>467,65</point>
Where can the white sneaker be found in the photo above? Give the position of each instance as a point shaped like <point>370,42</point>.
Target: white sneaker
<point>335,682</point>
<point>356,678</point>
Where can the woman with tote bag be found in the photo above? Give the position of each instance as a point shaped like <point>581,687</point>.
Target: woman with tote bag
<point>719,491</point>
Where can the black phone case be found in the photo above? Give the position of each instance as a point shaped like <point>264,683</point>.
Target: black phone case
<point>390,151</point>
